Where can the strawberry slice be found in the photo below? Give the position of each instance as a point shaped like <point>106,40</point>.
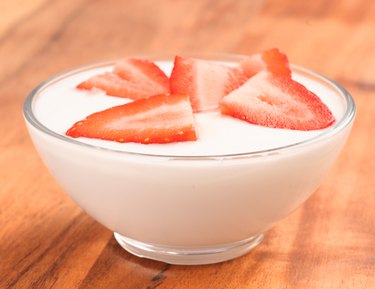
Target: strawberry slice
<point>131,78</point>
<point>162,118</point>
<point>143,72</point>
<point>114,85</point>
<point>279,102</point>
<point>271,60</point>
<point>205,82</point>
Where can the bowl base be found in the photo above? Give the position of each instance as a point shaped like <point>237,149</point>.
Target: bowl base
<point>189,256</point>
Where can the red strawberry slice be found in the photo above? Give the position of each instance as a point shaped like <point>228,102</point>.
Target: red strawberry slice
<point>271,60</point>
<point>205,82</point>
<point>114,85</point>
<point>162,118</point>
<point>142,71</point>
<point>131,78</point>
<point>279,102</point>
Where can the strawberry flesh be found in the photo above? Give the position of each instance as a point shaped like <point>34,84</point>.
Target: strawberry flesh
<point>162,118</point>
<point>131,78</point>
<point>279,102</point>
<point>205,82</point>
<point>114,85</point>
<point>271,60</point>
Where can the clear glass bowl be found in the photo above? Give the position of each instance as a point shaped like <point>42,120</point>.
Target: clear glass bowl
<point>189,209</point>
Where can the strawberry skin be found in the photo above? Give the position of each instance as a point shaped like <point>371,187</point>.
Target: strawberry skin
<point>271,60</point>
<point>131,78</point>
<point>279,102</point>
<point>205,82</point>
<point>162,118</point>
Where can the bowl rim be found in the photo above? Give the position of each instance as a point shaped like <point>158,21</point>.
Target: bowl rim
<point>338,126</point>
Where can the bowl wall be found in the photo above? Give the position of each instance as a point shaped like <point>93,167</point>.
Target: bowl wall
<point>188,203</point>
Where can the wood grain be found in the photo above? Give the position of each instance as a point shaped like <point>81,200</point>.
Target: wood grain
<point>46,241</point>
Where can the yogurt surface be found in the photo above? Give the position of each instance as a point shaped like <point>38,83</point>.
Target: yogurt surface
<point>60,105</point>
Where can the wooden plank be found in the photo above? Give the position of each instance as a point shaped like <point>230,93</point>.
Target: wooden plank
<point>47,241</point>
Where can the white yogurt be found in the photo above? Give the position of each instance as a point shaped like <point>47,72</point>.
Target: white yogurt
<point>59,106</point>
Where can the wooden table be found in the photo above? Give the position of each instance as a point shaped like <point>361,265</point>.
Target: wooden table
<point>47,241</point>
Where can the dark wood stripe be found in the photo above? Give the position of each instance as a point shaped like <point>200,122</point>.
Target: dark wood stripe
<point>358,84</point>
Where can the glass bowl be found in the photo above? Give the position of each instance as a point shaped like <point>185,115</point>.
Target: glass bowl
<point>188,209</point>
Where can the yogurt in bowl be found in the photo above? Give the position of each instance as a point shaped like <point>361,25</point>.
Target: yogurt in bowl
<point>189,202</point>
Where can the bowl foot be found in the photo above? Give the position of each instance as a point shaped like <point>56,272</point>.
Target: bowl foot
<point>189,256</point>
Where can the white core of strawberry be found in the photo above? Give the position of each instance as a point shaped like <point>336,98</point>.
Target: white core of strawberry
<point>164,116</point>
<point>211,79</point>
<point>258,93</point>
